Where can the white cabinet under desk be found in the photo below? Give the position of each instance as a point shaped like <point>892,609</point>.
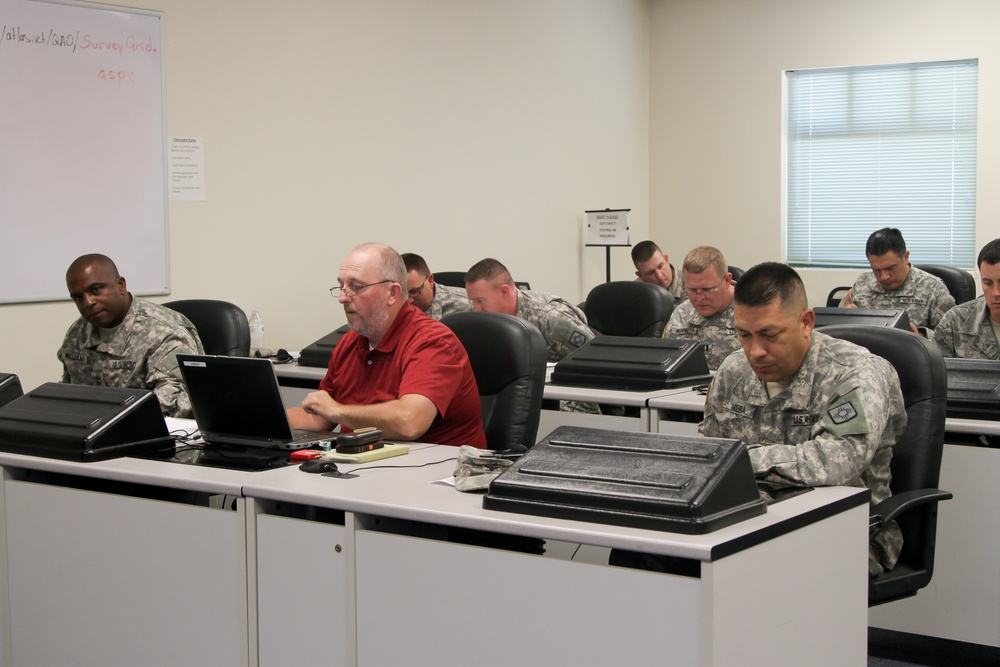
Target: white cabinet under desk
<point>418,593</point>
<point>105,564</point>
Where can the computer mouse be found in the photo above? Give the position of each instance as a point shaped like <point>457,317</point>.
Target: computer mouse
<point>318,465</point>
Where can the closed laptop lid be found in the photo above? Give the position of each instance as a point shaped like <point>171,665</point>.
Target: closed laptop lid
<point>236,400</point>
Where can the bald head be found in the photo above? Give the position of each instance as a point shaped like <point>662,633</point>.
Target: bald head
<point>98,290</point>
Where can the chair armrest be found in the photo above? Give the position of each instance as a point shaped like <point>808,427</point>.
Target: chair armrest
<point>896,504</point>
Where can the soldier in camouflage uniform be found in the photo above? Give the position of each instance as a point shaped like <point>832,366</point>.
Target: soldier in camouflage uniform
<point>813,410</point>
<point>894,283</point>
<point>653,266</point>
<point>121,341</point>
<point>564,326</point>
<point>435,300</point>
<point>971,330</point>
<point>707,315</point>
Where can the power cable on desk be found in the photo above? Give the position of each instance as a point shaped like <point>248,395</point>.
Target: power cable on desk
<point>419,465</point>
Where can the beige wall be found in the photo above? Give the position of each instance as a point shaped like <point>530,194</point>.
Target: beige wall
<point>450,128</point>
<point>465,128</point>
<point>716,86</point>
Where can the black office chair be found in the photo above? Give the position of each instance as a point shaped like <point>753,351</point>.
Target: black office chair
<point>960,283</point>
<point>222,326</point>
<point>507,356</point>
<point>836,295</point>
<point>450,278</point>
<point>916,458</point>
<point>628,308</point>
<point>737,272</point>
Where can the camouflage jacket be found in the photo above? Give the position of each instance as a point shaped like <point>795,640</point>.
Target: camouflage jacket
<point>448,300</point>
<point>717,333</point>
<point>925,297</point>
<point>142,354</point>
<point>676,288</point>
<point>835,424</point>
<point>965,331</point>
<point>563,326</point>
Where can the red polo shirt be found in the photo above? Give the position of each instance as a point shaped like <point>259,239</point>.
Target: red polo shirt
<point>418,355</point>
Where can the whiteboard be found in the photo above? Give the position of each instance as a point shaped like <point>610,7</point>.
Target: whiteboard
<point>83,137</point>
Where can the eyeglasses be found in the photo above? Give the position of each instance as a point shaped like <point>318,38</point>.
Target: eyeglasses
<point>702,291</point>
<point>350,291</point>
<point>417,290</point>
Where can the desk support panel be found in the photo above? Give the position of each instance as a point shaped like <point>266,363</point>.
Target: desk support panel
<point>107,579</point>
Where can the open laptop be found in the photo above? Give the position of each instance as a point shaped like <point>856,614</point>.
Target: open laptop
<point>236,401</point>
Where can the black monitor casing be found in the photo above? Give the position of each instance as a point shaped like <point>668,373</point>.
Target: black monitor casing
<point>10,388</point>
<point>682,484</point>
<point>83,423</point>
<point>973,388</point>
<point>898,319</point>
<point>634,364</point>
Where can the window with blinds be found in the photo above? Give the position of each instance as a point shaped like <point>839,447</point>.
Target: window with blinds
<point>885,146</point>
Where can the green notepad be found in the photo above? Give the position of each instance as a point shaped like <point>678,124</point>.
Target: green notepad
<point>386,451</point>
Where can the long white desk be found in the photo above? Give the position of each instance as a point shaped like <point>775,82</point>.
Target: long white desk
<point>297,380</point>
<point>311,569</point>
<point>962,601</point>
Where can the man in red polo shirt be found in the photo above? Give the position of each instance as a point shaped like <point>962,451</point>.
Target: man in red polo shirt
<point>397,369</point>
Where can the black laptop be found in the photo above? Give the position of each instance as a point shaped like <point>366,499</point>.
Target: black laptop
<point>236,401</point>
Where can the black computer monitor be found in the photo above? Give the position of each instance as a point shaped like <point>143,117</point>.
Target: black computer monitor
<point>880,318</point>
<point>973,388</point>
<point>10,388</point>
<point>83,423</point>
<point>683,484</point>
<point>633,363</point>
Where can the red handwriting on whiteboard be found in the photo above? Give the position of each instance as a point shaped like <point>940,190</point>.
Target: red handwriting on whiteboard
<point>120,77</point>
<point>130,44</point>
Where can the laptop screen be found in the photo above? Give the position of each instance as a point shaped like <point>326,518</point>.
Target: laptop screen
<point>236,400</point>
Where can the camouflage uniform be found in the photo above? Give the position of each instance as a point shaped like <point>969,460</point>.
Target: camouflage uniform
<point>448,300</point>
<point>835,424</point>
<point>925,297</point>
<point>965,331</point>
<point>676,286</point>
<point>141,353</point>
<point>717,333</point>
<point>563,326</point>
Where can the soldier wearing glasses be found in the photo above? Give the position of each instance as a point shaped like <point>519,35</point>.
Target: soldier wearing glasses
<point>397,369</point>
<point>435,300</point>
<point>707,315</point>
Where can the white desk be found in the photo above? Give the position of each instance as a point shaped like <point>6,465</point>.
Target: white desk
<point>551,419</point>
<point>558,612</point>
<point>297,380</point>
<point>109,577</point>
<point>962,601</point>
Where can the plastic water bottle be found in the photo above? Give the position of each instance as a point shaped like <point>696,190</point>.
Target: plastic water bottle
<point>256,333</point>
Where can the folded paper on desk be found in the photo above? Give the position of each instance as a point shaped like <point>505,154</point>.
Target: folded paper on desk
<point>683,484</point>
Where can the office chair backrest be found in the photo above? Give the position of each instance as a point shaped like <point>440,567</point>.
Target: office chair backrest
<point>222,326</point>
<point>628,308</point>
<point>916,458</point>
<point>960,283</point>
<point>836,295</point>
<point>507,356</point>
<point>450,278</point>
<point>737,272</point>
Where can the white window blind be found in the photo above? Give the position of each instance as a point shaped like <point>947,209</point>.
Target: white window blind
<point>887,146</point>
